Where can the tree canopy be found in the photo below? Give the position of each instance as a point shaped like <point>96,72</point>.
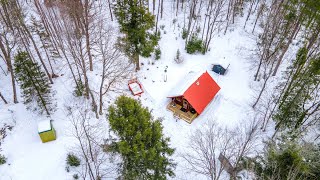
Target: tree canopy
<point>144,149</point>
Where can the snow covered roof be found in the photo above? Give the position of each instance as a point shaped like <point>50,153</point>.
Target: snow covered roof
<point>185,83</point>
<point>44,126</point>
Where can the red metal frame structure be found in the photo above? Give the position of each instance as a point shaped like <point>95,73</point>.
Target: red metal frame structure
<point>133,84</point>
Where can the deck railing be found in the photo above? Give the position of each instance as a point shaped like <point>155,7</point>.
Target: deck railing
<point>186,116</point>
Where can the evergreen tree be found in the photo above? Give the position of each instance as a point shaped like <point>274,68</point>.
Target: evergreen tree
<point>286,159</point>
<point>33,82</point>
<point>299,100</point>
<point>309,10</point>
<point>144,150</point>
<point>135,22</point>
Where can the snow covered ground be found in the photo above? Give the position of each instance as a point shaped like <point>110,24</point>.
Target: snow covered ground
<point>30,159</point>
<point>232,104</point>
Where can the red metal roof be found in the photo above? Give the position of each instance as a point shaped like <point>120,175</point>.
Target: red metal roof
<point>201,92</point>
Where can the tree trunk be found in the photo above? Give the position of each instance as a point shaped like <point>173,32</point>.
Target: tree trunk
<point>258,16</point>
<point>249,13</point>
<point>37,51</point>
<point>71,70</point>
<point>235,4</point>
<point>286,48</point>
<point>94,104</point>
<point>100,101</point>
<point>86,81</point>
<point>258,70</point>
<point>228,16</point>
<point>260,94</point>
<point>161,8</point>
<point>13,82</point>
<point>313,39</point>
<point>177,7</point>
<point>89,50</point>
<point>101,86</point>
<point>191,15</point>
<point>4,100</point>
<point>137,61</point>
<point>111,10</point>
<point>24,31</point>
<point>157,18</point>
<point>207,35</point>
<point>48,57</point>
<point>56,29</point>
<point>9,65</point>
<point>205,21</point>
<point>46,23</point>
<point>86,25</point>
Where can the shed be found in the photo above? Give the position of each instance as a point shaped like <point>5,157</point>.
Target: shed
<point>46,131</point>
<point>195,92</point>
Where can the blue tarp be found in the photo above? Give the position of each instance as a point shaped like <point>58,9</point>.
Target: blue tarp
<point>218,69</point>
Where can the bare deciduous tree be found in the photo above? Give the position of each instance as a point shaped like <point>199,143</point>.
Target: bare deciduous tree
<point>7,44</point>
<point>235,8</point>
<point>252,3</point>
<point>245,141</point>
<point>18,11</point>
<point>115,67</point>
<point>83,15</point>
<point>95,164</point>
<point>50,16</point>
<point>211,140</point>
<point>205,145</point>
<point>214,19</point>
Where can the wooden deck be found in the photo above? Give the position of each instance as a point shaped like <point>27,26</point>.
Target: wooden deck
<point>186,116</point>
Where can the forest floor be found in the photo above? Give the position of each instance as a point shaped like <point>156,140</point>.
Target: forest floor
<point>30,159</point>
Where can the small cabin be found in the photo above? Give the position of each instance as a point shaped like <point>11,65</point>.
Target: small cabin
<point>192,95</point>
<point>46,131</point>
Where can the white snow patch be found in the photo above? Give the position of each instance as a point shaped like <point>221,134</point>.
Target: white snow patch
<point>44,125</point>
<point>185,83</point>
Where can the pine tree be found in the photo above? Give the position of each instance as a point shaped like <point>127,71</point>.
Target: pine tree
<point>299,100</point>
<point>309,10</point>
<point>34,83</point>
<point>135,22</point>
<point>308,13</point>
<point>286,159</point>
<point>144,150</point>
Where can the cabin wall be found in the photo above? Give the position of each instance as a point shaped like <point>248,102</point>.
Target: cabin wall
<point>178,100</point>
<point>48,135</point>
<point>182,102</point>
<point>186,104</point>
